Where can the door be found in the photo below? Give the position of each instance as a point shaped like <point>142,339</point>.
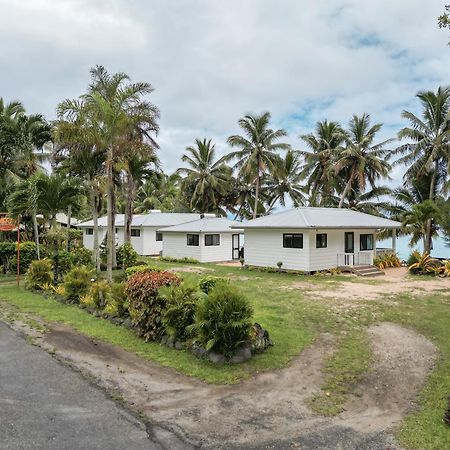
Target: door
<point>235,246</point>
<point>349,242</point>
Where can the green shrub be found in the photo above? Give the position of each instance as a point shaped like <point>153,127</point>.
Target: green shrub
<point>424,264</point>
<point>386,260</point>
<point>222,320</point>
<point>179,260</point>
<point>208,282</point>
<point>181,301</point>
<point>65,261</point>
<point>77,283</point>
<point>39,273</point>
<point>7,253</point>
<point>81,256</point>
<point>129,271</point>
<point>116,301</point>
<point>98,292</point>
<point>126,255</point>
<point>27,254</point>
<point>145,305</point>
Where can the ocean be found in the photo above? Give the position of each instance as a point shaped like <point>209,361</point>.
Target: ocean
<point>440,249</point>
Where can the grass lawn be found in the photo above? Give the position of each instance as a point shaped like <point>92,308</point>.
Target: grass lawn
<point>294,318</point>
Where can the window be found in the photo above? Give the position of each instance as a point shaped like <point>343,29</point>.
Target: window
<point>89,231</point>
<point>212,239</point>
<point>293,240</point>
<point>158,236</point>
<point>135,232</point>
<point>321,240</point>
<point>192,239</point>
<point>366,241</point>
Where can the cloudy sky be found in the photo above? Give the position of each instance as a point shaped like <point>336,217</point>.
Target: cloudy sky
<point>212,61</point>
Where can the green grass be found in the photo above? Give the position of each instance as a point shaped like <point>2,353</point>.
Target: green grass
<point>294,318</point>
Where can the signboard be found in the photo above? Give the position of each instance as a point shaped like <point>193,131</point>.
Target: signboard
<point>7,224</point>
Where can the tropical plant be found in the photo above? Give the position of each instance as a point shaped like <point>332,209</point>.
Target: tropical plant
<point>386,260</point>
<point>206,179</point>
<point>126,255</point>
<point>222,320</point>
<point>362,162</point>
<point>428,151</point>
<point>257,152</point>
<point>423,264</point>
<point>181,301</point>
<point>208,282</point>
<point>77,283</point>
<point>38,274</point>
<point>146,307</point>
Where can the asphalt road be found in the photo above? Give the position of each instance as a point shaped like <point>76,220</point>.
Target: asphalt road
<point>46,405</point>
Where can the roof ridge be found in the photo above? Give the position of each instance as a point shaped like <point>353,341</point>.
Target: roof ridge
<point>303,217</point>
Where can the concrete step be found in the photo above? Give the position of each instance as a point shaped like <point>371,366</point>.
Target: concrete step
<point>367,271</point>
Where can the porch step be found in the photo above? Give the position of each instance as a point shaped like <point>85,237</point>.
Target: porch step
<point>365,270</point>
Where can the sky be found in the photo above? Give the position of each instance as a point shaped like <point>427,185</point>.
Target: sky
<point>211,61</point>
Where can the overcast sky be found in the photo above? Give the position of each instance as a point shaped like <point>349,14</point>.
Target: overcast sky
<point>212,61</point>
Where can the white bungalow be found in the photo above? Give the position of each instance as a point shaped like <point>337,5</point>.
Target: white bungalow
<point>145,237</point>
<point>207,240</point>
<point>312,239</point>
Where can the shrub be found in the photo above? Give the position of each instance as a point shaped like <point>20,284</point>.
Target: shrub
<point>208,282</point>
<point>77,283</point>
<point>386,260</point>
<point>126,255</point>
<point>424,264</point>
<point>222,320</point>
<point>7,253</point>
<point>181,301</point>
<point>81,256</point>
<point>98,292</point>
<point>179,260</point>
<point>444,270</point>
<point>65,262</point>
<point>39,274</point>
<point>129,271</point>
<point>116,301</point>
<point>145,305</point>
<point>27,255</point>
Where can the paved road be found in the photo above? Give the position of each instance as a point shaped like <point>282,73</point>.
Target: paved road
<point>45,405</point>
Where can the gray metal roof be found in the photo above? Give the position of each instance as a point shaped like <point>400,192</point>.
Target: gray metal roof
<point>206,225</point>
<point>308,217</point>
<point>153,219</point>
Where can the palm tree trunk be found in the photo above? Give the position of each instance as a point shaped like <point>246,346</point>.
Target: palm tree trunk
<point>129,208</point>
<point>255,209</point>
<point>36,233</point>
<point>69,219</point>
<point>95,250</point>
<point>428,237</point>
<point>110,219</point>
<point>113,226</point>
<point>346,191</point>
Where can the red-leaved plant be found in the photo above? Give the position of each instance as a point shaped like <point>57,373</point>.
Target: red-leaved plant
<point>146,307</point>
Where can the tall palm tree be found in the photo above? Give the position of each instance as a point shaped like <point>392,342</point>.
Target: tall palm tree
<point>258,149</point>
<point>112,109</point>
<point>325,145</point>
<point>207,178</point>
<point>362,162</point>
<point>287,181</point>
<point>429,149</point>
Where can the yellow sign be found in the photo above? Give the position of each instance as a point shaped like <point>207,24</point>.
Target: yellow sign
<point>7,224</point>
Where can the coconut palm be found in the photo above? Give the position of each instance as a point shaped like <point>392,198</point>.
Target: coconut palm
<point>286,181</point>
<point>325,145</point>
<point>206,179</point>
<point>112,110</point>
<point>362,162</point>
<point>258,149</point>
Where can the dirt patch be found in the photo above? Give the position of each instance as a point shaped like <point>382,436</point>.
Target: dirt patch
<point>402,361</point>
<point>229,264</point>
<point>269,406</point>
<point>190,269</point>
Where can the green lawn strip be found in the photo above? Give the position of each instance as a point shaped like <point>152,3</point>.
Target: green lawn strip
<point>343,370</point>
<point>424,427</point>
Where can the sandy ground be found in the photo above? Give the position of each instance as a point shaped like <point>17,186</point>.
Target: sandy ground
<point>268,410</point>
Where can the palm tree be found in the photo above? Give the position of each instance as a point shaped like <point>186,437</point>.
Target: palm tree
<point>286,181</point>
<point>258,149</point>
<point>326,144</point>
<point>374,202</point>
<point>362,161</point>
<point>429,151</point>
<point>112,110</point>
<point>206,179</point>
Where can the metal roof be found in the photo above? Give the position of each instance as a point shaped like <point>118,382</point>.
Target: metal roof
<point>206,225</point>
<point>309,217</point>
<point>154,219</point>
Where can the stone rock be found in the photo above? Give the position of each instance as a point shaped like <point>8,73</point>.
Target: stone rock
<point>127,323</point>
<point>216,358</point>
<point>170,341</point>
<point>117,320</point>
<point>164,339</point>
<point>178,345</point>
<point>96,313</point>
<point>244,353</point>
<point>259,339</point>
<point>198,351</point>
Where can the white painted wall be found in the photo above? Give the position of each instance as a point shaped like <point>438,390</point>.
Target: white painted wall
<point>88,239</point>
<point>175,245</point>
<point>265,248</point>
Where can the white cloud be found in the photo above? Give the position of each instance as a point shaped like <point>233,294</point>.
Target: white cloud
<point>211,62</point>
